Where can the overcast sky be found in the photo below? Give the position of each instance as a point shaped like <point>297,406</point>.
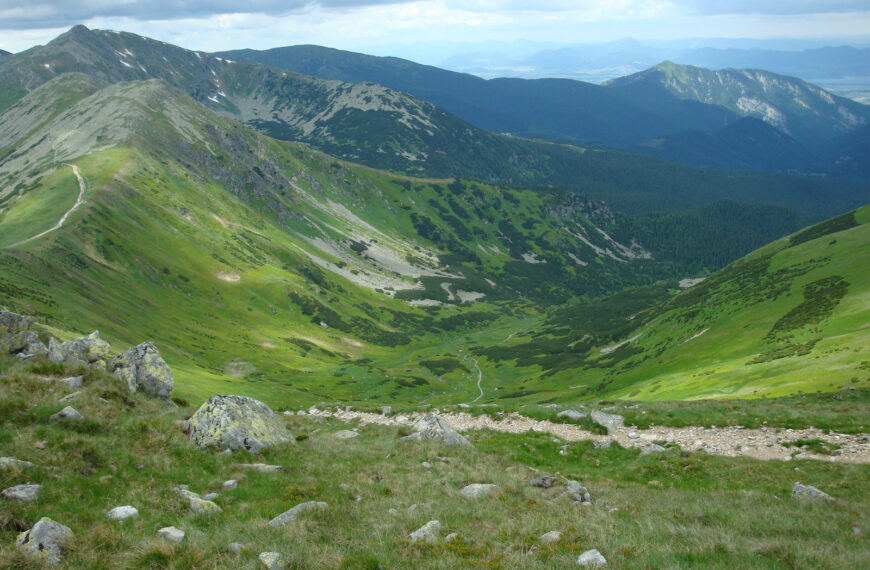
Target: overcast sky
<point>213,25</point>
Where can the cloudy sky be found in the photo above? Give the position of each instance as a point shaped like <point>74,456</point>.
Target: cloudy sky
<point>213,25</point>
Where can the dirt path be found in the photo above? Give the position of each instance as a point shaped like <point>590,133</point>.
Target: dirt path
<point>79,202</point>
<point>764,443</point>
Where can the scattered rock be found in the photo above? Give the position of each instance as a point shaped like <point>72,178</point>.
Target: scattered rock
<point>237,422</point>
<point>85,351</point>
<point>572,415</point>
<point>292,514</point>
<point>70,397</point>
<point>808,492</point>
<point>10,462</point>
<point>603,443</point>
<point>576,492</point>
<point>74,382</point>
<point>610,421</point>
<point>273,560</point>
<point>261,467</point>
<point>429,532</point>
<point>211,496</point>
<point>592,559</point>
<point>23,493</point>
<point>69,413</point>
<point>40,444</point>
<point>652,448</point>
<point>198,504</point>
<point>478,490</point>
<point>238,547</point>
<point>392,511</point>
<point>144,370</point>
<point>433,426</point>
<point>386,410</point>
<point>230,484</point>
<point>451,537</point>
<point>45,541</point>
<point>553,406</point>
<point>544,482</point>
<point>171,533</point>
<point>17,336</point>
<point>122,513</point>
<point>345,434</point>
<point>551,537</point>
<point>426,465</point>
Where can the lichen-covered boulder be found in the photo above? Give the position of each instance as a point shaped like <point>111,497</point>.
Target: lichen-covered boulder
<point>85,351</point>
<point>45,541</point>
<point>18,337</point>
<point>236,423</point>
<point>433,426</point>
<point>429,532</point>
<point>144,370</point>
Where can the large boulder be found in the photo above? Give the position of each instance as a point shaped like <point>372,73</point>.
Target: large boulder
<point>144,370</point>
<point>88,350</point>
<point>45,541</point>
<point>18,337</point>
<point>610,421</point>
<point>433,426</point>
<point>235,423</point>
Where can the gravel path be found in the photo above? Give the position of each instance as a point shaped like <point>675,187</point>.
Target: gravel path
<point>764,443</point>
<point>79,201</point>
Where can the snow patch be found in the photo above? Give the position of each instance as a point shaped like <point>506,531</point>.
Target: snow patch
<point>124,63</point>
<point>46,65</point>
<point>577,260</point>
<point>213,99</point>
<point>469,296</point>
<point>690,282</point>
<point>609,349</point>
<point>696,335</point>
<point>532,258</point>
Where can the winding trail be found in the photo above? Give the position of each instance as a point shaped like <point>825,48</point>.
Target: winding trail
<point>79,201</point>
<point>479,379</point>
<point>765,443</point>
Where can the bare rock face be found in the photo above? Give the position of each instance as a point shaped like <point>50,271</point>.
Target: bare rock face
<point>144,370</point>
<point>236,423</point>
<point>85,351</point>
<point>18,337</point>
<point>45,541</point>
<point>433,426</point>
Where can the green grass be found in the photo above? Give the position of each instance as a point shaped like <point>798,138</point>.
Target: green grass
<point>674,509</point>
<point>39,209</point>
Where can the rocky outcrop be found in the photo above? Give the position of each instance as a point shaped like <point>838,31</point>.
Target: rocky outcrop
<point>144,370</point>
<point>237,423</point>
<point>433,426</point>
<point>18,337</point>
<point>291,515</point>
<point>45,541</point>
<point>85,351</point>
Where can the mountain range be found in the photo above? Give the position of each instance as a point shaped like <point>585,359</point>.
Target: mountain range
<point>239,216</point>
<point>643,111</point>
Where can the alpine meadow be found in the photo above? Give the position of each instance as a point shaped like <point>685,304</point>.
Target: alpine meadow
<point>308,308</point>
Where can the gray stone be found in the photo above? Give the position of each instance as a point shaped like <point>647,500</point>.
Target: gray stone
<point>122,513</point>
<point>386,410</point>
<point>652,448</point>
<point>85,351</point>
<point>22,493</point>
<point>74,382</point>
<point>429,532</point>
<point>544,482</point>
<point>553,406</point>
<point>478,490</point>
<point>273,560</point>
<point>230,484</point>
<point>809,492</point>
<point>143,370</point>
<point>45,541</point>
<point>551,537</point>
<point>426,465</point>
<point>198,504</point>
<point>211,496</point>
<point>17,336</point>
<point>345,434</point>
<point>451,537</point>
<point>610,421</point>
<point>262,467</point>
<point>171,533</point>
<point>291,515</point>
<point>434,427</point>
<point>68,413</point>
<point>70,397</point>
<point>576,492</point>
<point>239,548</point>
<point>572,415</point>
<point>237,423</point>
<point>10,462</point>
<point>592,559</point>
<point>603,443</point>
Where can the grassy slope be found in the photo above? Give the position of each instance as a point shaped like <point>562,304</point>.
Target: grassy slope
<point>790,317</point>
<point>676,509</point>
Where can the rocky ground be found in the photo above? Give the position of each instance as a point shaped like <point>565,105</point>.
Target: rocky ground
<point>765,443</point>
